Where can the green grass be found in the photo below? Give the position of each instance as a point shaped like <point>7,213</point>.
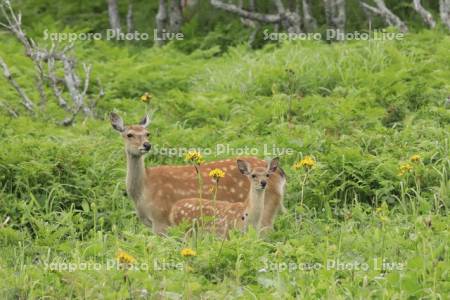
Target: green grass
<point>360,109</point>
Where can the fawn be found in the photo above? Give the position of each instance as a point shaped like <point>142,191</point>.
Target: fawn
<point>228,215</point>
<point>155,190</point>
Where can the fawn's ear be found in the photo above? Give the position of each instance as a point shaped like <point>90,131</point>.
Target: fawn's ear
<point>145,121</point>
<point>273,165</point>
<point>244,167</point>
<point>116,122</point>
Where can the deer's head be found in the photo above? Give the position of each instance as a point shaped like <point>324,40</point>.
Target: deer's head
<point>259,175</point>
<point>134,136</point>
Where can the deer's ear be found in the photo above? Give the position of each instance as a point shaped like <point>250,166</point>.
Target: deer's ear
<point>244,167</point>
<point>273,165</point>
<point>116,122</point>
<point>145,121</point>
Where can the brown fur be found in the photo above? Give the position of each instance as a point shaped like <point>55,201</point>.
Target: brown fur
<point>155,190</point>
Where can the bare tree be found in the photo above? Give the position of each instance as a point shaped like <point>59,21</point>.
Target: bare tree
<point>39,56</point>
<point>384,12</point>
<point>426,15</point>
<point>444,7</point>
<point>335,13</point>
<point>290,20</point>
<point>130,16</point>
<point>255,25</point>
<point>168,19</point>
<point>114,19</point>
<point>309,21</point>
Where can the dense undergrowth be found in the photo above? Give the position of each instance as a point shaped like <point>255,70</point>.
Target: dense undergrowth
<point>360,109</point>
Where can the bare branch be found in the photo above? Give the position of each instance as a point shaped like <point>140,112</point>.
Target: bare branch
<point>25,100</point>
<point>8,109</point>
<point>426,15</point>
<point>265,18</point>
<point>51,56</point>
<point>388,16</point>
<point>54,84</point>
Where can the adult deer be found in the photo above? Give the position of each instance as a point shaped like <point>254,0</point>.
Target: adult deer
<point>227,215</point>
<point>155,190</point>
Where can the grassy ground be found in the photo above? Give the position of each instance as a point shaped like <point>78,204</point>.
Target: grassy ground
<point>365,221</point>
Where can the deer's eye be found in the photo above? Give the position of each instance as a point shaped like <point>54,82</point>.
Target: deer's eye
<point>130,135</point>
<point>267,175</point>
<point>253,176</point>
<point>147,134</point>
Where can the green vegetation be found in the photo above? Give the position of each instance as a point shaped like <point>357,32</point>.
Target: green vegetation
<point>360,109</point>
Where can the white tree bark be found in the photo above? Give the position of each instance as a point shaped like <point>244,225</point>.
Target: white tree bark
<point>336,15</point>
<point>309,21</point>
<point>25,100</point>
<point>426,15</point>
<point>444,8</point>
<point>114,19</point>
<point>288,19</point>
<point>264,18</point>
<point>130,26</point>
<point>175,16</point>
<point>161,22</point>
<point>384,12</point>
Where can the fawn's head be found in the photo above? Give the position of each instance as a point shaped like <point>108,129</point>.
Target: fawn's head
<point>258,176</point>
<point>134,136</point>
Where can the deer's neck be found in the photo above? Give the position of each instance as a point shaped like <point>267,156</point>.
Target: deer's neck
<point>255,207</point>
<point>136,176</point>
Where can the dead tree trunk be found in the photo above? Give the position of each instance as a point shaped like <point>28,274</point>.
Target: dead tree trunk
<point>444,8</point>
<point>290,20</point>
<point>130,26</point>
<point>426,15</point>
<point>175,16</point>
<point>335,14</point>
<point>114,19</point>
<point>161,22</point>
<point>386,14</point>
<point>309,22</point>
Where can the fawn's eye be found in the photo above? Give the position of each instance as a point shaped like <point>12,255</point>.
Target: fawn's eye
<point>253,176</point>
<point>130,135</point>
<point>147,134</point>
<point>267,175</point>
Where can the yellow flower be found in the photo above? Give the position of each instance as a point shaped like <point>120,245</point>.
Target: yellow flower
<point>415,158</point>
<point>146,97</point>
<point>194,156</point>
<point>187,252</point>
<point>383,208</point>
<point>216,174</point>
<point>307,162</point>
<point>384,219</point>
<point>125,258</point>
<point>405,168</point>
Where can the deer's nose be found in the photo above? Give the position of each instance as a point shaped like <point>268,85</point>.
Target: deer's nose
<point>147,146</point>
<point>263,183</point>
